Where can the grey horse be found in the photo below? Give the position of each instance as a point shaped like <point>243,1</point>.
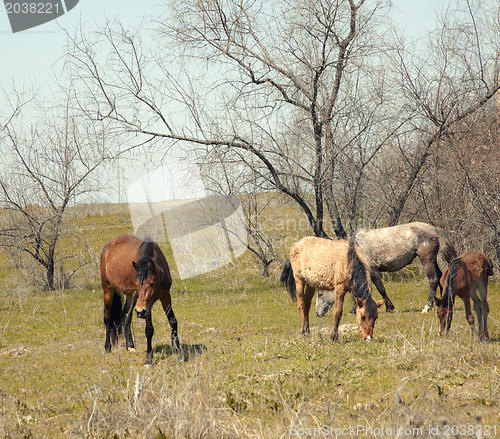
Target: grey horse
<point>390,249</point>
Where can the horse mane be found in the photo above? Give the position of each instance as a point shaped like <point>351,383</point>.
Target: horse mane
<point>449,293</point>
<point>360,281</point>
<point>144,265</point>
<point>146,249</point>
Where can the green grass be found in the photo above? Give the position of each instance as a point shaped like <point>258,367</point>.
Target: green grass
<point>245,370</point>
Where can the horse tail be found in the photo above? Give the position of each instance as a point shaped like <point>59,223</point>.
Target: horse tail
<point>489,270</point>
<point>116,312</point>
<point>446,247</point>
<point>360,278</point>
<point>288,279</point>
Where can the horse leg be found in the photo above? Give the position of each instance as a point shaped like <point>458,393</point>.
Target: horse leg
<point>126,320</point>
<point>353,309</point>
<point>468,312</point>
<point>309,294</point>
<point>428,256</point>
<point>483,292</point>
<point>112,314</point>
<point>172,321</point>
<point>108,303</point>
<point>303,304</point>
<point>340,292</point>
<point>377,281</point>
<point>149,336</point>
<point>478,309</point>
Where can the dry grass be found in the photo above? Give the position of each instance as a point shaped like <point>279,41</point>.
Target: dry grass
<point>245,371</point>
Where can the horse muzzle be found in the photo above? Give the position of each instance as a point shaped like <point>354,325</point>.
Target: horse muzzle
<point>141,313</point>
<point>368,339</point>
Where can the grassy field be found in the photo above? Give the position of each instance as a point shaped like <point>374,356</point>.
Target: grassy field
<point>245,370</point>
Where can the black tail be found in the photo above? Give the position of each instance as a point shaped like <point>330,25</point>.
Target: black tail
<point>489,270</point>
<point>288,279</point>
<point>446,247</point>
<point>360,281</point>
<point>116,312</point>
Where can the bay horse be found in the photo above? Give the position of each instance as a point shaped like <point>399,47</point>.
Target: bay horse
<point>466,277</point>
<point>330,265</point>
<point>137,269</point>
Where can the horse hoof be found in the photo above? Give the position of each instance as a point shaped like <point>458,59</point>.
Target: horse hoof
<point>427,309</point>
<point>131,349</point>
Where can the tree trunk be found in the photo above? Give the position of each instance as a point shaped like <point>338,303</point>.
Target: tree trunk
<point>50,274</point>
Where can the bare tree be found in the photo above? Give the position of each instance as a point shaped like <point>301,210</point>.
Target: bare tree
<point>272,89</point>
<point>299,92</point>
<point>465,189</point>
<point>444,86</point>
<point>47,165</point>
<point>226,178</point>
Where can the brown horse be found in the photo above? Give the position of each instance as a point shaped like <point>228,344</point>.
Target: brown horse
<point>330,265</point>
<point>465,277</point>
<point>138,269</point>
<point>392,248</point>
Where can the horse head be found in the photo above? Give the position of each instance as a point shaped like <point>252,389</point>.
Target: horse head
<point>366,315</point>
<point>324,301</point>
<point>444,309</point>
<point>147,285</point>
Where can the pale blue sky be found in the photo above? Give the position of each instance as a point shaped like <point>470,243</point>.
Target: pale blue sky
<point>30,55</point>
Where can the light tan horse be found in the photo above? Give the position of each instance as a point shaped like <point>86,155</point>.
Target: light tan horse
<point>330,265</point>
<point>466,277</point>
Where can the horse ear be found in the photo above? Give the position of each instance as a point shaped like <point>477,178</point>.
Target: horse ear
<point>360,302</point>
<point>380,302</point>
<point>437,301</point>
<point>134,264</point>
<point>151,266</point>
